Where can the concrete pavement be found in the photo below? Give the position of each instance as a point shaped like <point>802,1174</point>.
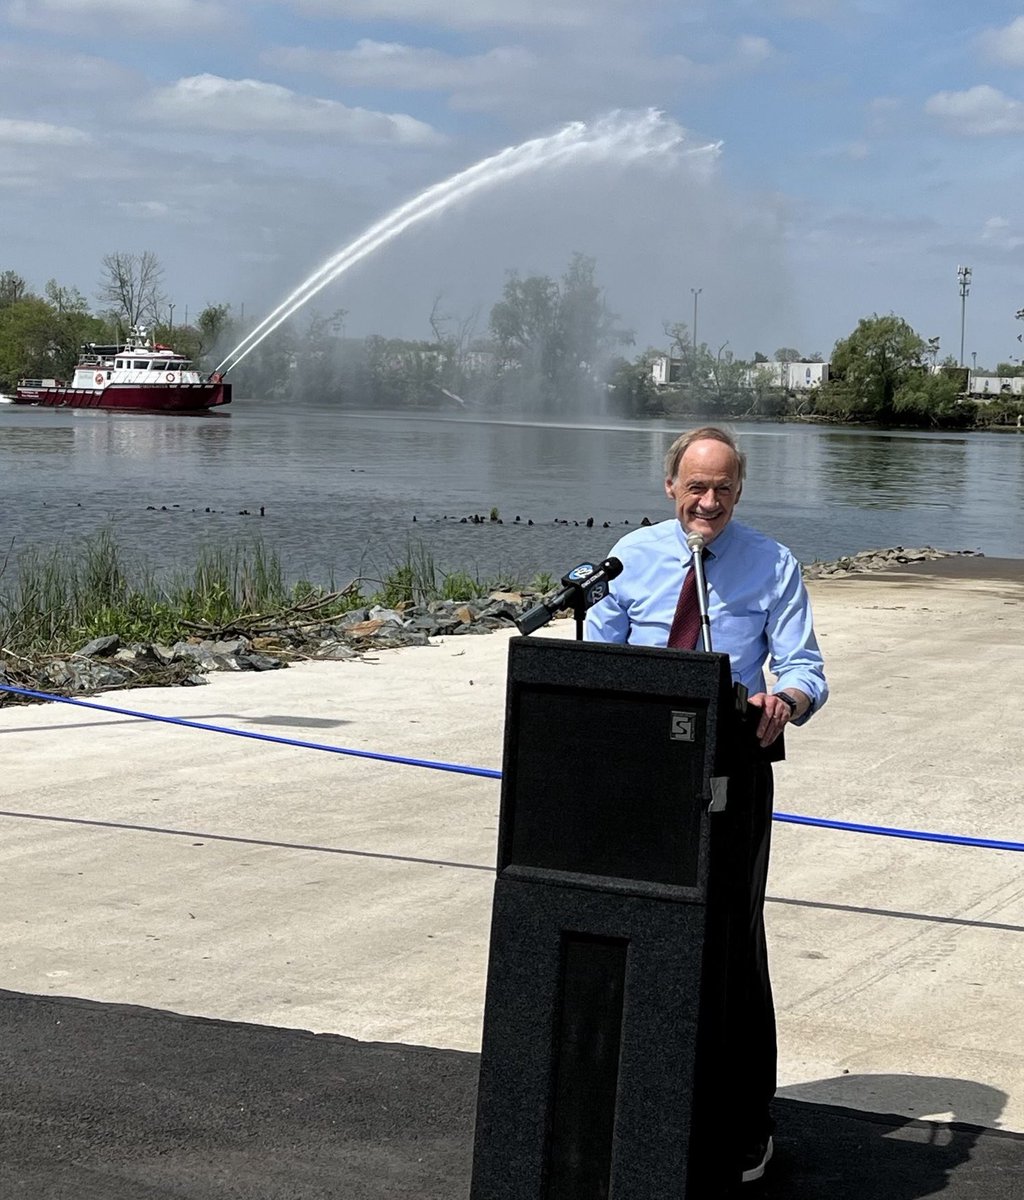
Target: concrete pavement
<point>152,865</point>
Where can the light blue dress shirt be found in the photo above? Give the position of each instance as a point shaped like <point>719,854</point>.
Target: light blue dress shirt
<point>758,606</point>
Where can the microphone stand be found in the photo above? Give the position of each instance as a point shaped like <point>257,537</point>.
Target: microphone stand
<point>579,612</point>
<point>696,544</point>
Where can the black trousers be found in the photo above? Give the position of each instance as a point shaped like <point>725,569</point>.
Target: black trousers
<point>751,1015</point>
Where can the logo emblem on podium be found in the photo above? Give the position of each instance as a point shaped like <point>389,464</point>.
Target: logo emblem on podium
<point>683,726</point>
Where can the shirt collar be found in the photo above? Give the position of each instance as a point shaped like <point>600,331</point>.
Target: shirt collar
<point>717,547</point>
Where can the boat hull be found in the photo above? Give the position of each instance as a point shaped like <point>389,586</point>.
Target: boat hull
<point>127,397</point>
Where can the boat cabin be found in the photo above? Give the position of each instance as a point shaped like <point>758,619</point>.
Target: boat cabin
<point>136,361</point>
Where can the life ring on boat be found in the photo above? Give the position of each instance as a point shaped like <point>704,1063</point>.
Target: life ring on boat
<point>98,376</point>
<point>170,376</point>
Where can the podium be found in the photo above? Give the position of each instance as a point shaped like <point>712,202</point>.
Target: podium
<point>627,792</point>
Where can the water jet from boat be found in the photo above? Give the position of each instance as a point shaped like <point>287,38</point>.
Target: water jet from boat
<point>618,137</point>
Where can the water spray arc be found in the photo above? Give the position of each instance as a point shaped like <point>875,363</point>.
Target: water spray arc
<point>621,137</point>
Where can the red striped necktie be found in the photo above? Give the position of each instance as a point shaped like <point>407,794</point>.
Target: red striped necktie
<point>686,622</point>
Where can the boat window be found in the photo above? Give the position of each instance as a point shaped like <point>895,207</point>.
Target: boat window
<point>141,364</point>
<point>119,364</point>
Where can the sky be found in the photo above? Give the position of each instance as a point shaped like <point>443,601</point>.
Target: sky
<point>784,167</point>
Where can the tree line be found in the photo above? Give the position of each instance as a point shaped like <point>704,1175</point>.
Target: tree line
<point>41,335</point>
<point>549,347</point>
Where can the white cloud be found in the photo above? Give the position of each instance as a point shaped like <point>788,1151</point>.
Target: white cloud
<point>40,133</point>
<point>997,232</point>
<point>27,77</point>
<point>979,111</point>
<point>158,210</point>
<point>533,86</point>
<point>469,14</point>
<point>1005,45</point>
<point>127,18</point>
<point>410,68</point>
<point>752,51</point>
<point>746,53</point>
<point>212,104</point>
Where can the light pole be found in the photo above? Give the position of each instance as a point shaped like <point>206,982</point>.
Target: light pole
<point>964,276</point>
<point>974,362</point>
<point>696,293</point>
<point>170,322</point>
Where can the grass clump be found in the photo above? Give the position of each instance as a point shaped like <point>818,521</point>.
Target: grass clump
<point>65,597</point>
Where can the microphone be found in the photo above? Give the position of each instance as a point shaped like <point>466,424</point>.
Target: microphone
<point>581,589</point>
<point>695,540</point>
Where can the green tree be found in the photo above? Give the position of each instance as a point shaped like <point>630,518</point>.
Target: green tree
<point>934,399</point>
<point>631,386</point>
<point>215,326</point>
<point>65,299</point>
<point>26,340</point>
<point>526,317</point>
<point>72,326</point>
<point>554,339</point>
<point>869,367</point>
<point>12,288</point>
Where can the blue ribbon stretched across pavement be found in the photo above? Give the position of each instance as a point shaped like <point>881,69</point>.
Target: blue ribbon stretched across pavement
<point>918,835</point>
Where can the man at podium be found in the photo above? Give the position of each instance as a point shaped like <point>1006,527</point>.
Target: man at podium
<point>758,611</point>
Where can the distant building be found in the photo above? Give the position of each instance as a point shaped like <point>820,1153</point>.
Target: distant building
<point>666,370</point>
<point>993,387</point>
<point>792,376</point>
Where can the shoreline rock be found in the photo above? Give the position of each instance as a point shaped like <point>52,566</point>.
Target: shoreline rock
<point>880,560</point>
<point>106,664</point>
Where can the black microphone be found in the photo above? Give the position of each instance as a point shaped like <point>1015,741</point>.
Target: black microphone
<point>581,589</point>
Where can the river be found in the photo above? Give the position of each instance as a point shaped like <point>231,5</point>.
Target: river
<point>348,494</point>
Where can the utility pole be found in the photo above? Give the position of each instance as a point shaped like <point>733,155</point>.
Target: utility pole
<point>964,276</point>
<point>696,292</point>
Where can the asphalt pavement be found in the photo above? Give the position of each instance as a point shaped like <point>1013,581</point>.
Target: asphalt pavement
<point>108,1102</point>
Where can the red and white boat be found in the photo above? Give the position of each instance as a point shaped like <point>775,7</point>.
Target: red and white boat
<point>135,377</point>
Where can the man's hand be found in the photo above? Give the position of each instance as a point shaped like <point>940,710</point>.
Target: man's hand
<point>776,713</point>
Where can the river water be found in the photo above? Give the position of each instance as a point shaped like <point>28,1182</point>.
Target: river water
<point>347,495</point>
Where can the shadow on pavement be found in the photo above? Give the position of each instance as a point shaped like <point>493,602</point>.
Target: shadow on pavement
<point>110,1102</point>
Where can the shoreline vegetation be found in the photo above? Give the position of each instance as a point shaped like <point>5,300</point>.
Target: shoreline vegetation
<point>82,621</point>
<point>552,348</point>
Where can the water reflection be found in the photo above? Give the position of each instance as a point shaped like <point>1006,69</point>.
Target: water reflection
<point>34,441</point>
<point>335,483</point>
<point>890,471</point>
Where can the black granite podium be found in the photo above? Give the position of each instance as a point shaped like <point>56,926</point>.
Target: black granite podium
<point>625,809</point>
